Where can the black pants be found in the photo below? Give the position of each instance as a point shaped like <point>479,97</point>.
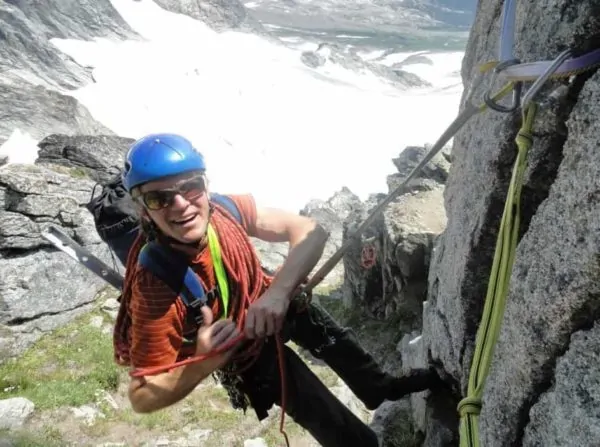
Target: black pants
<point>309,402</point>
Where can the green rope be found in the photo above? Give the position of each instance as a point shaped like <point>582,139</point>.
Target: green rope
<point>495,300</point>
<point>215,253</point>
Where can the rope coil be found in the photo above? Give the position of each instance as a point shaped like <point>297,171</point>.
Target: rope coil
<point>368,257</point>
<point>495,301</point>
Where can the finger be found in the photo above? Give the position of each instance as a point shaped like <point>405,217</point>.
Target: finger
<point>233,335</point>
<point>223,322</point>
<point>249,325</point>
<point>279,322</point>
<point>260,323</point>
<point>269,324</point>
<point>217,327</point>
<point>223,335</point>
<point>207,315</point>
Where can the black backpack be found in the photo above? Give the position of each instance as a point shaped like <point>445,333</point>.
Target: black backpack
<point>115,216</point>
<point>116,219</point>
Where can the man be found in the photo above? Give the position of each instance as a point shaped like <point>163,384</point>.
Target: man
<point>166,177</point>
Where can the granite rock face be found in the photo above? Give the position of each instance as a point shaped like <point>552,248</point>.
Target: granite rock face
<point>553,299</point>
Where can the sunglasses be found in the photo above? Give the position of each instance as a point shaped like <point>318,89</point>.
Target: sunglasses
<point>163,198</point>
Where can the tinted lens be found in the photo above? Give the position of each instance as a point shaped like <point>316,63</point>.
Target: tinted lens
<point>159,199</point>
<point>192,189</point>
<point>156,200</point>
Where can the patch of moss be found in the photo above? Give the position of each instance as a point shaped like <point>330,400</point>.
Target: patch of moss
<point>47,437</point>
<point>78,172</point>
<point>66,367</point>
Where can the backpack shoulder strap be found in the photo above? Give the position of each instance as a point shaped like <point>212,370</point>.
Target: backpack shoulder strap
<point>174,270</point>
<point>227,203</point>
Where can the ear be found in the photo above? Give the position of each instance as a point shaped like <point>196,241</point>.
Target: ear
<point>142,211</point>
<point>145,216</point>
<point>207,185</point>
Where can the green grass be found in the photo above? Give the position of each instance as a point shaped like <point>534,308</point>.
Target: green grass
<point>78,172</point>
<point>207,407</point>
<point>71,171</point>
<point>48,437</point>
<point>67,367</point>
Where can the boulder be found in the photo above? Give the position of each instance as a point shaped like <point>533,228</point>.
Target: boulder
<point>401,239</point>
<point>42,288</point>
<point>553,294</point>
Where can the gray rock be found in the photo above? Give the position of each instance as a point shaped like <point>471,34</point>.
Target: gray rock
<point>20,334</point>
<point>111,307</point>
<point>27,55</point>
<point>385,16</point>
<point>40,111</point>
<point>218,14</point>
<point>392,423</point>
<point>41,288</point>
<point>329,213</point>
<point>97,157</point>
<point>568,413</point>
<point>332,213</point>
<point>35,75</point>
<point>312,59</point>
<point>402,238</point>
<point>553,285</point>
<point>411,348</point>
<point>88,414</point>
<point>14,412</point>
<point>554,282</point>
<point>255,442</point>
<point>433,174</point>
<point>349,399</point>
<point>18,231</point>
<point>347,59</point>
<point>433,413</point>
<point>413,59</point>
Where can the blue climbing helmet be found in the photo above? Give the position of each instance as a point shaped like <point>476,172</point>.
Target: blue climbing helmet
<point>157,156</point>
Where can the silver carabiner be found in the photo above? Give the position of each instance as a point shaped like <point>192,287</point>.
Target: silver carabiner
<point>516,96</point>
<point>539,82</point>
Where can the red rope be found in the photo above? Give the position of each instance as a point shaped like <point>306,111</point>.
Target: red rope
<point>245,272</point>
<point>368,256</point>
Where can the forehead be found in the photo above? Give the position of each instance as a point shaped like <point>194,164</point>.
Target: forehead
<point>168,182</point>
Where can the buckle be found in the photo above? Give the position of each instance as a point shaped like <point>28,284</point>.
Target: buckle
<point>197,303</point>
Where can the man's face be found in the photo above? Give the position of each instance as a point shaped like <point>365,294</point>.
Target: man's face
<point>178,206</point>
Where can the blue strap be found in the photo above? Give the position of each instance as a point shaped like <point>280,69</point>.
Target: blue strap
<point>174,270</point>
<point>227,203</point>
<point>507,36</point>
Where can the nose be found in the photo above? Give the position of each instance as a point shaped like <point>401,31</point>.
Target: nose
<point>179,202</point>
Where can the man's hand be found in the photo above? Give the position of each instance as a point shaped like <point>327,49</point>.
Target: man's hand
<point>266,315</point>
<point>211,335</point>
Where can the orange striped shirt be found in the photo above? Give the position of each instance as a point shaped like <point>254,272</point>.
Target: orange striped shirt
<point>158,316</point>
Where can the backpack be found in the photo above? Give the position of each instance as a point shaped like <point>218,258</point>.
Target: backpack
<point>117,224</point>
<point>115,216</point>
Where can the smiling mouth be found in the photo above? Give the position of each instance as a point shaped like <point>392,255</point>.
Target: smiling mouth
<point>185,220</point>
